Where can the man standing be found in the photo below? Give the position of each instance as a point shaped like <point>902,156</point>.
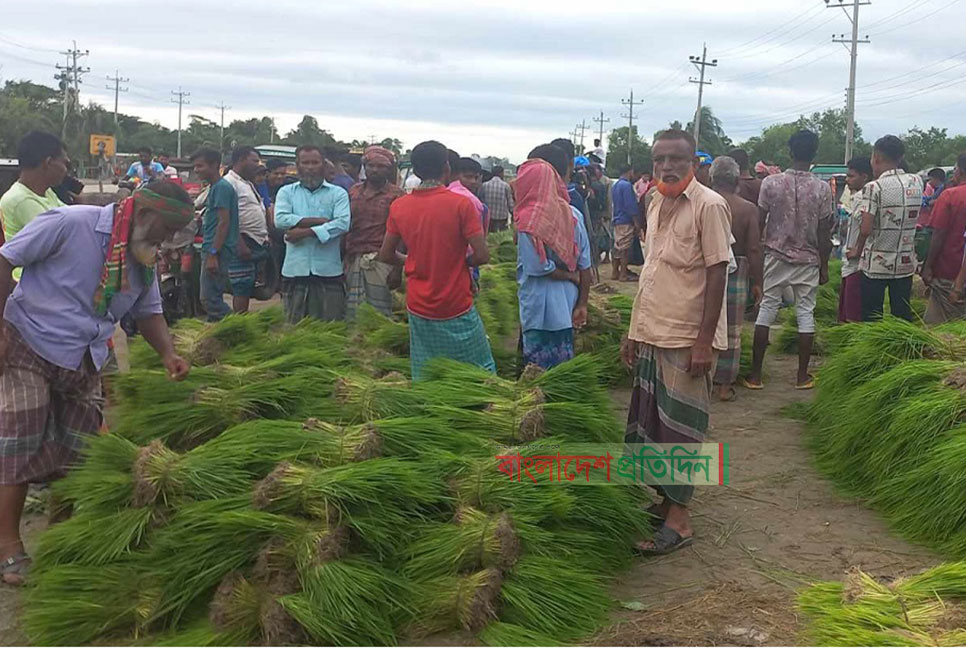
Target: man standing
<point>497,195</point>
<point>220,233</point>
<point>436,225</point>
<point>678,322</point>
<point>252,246</point>
<point>858,175</point>
<point>553,260</point>
<point>942,265</point>
<point>887,239</point>
<point>169,171</point>
<point>314,215</point>
<point>278,177</point>
<point>626,223</point>
<point>367,278</point>
<point>144,169</point>
<point>43,165</point>
<point>84,268</point>
<point>797,213</point>
<point>725,176</point>
<point>931,193</point>
<point>749,187</point>
<point>351,164</point>
<point>598,152</point>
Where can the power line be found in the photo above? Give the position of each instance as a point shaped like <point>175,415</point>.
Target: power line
<point>34,48</point>
<point>180,94</point>
<point>794,20</point>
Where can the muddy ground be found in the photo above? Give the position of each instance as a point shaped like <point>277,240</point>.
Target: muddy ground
<point>775,528</point>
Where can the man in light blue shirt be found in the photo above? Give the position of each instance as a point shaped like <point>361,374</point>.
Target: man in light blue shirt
<point>314,216</point>
<point>144,168</point>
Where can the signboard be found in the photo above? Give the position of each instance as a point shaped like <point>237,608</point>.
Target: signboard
<point>102,144</point>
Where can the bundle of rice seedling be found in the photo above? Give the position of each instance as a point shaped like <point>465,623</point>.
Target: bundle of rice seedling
<point>469,602</point>
<point>580,380</point>
<point>608,320</point>
<point>93,538</point>
<point>498,633</point>
<point>503,248</point>
<point>244,610</point>
<point>376,330</point>
<point>309,334</point>
<point>497,301</point>
<point>474,540</point>
<point>361,398</point>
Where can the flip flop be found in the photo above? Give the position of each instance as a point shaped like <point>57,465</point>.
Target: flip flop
<point>752,386</point>
<point>13,570</point>
<point>732,396</point>
<point>809,384</point>
<point>666,541</point>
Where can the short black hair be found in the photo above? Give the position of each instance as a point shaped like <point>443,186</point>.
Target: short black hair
<point>145,149</point>
<point>308,147</point>
<point>938,174</point>
<point>209,155</point>
<point>454,160</point>
<point>624,168</point>
<point>497,170</point>
<point>241,152</point>
<point>163,154</point>
<point>862,165</point>
<point>37,146</point>
<point>170,190</point>
<point>596,142</point>
<point>891,148</point>
<point>353,159</point>
<point>678,134</point>
<point>803,145</point>
<point>566,146</point>
<point>429,160</point>
<point>741,157</point>
<point>274,164</point>
<point>469,165</point>
<point>556,156</point>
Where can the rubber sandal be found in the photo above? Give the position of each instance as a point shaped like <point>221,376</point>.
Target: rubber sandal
<point>751,386</point>
<point>14,569</point>
<point>732,395</point>
<point>665,541</point>
<point>810,384</point>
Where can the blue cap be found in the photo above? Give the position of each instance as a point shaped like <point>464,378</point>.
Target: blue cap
<point>581,161</point>
<point>704,159</point>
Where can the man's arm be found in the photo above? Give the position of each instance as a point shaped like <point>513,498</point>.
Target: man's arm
<point>155,331</point>
<point>940,220</point>
<point>702,356</point>
<point>6,285</point>
<point>481,253</point>
<point>865,230</point>
<point>389,253</point>
<point>762,221</point>
<point>285,217</point>
<point>824,249</point>
<point>753,250</point>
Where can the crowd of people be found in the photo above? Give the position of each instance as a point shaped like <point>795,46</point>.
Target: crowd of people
<point>712,239</point>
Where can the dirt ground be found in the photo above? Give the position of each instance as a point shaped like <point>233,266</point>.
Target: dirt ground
<point>775,528</point>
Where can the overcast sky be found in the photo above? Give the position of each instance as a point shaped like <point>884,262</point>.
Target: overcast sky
<point>497,78</point>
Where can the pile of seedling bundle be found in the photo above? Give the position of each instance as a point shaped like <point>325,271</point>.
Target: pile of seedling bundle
<point>928,609</point>
<point>887,424</point>
<point>297,489</point>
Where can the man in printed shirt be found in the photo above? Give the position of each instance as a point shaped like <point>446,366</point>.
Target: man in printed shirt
<point>252,246</point>
<point>797,213</point>
<point>367,278</point>
<point>145,169</point>
<point>679,322</point>
<point>314,215</point>
<point>887,239</point>
<point>497,195</point>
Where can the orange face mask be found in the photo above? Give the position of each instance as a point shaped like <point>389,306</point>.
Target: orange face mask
<point>675,189</point>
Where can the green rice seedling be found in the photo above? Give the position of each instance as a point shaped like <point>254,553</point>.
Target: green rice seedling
<point>140,387</point>
<point>615,511</point>
<point>199,633</point>
<point>473,540</point>
<point>498,633</point>
<point>349,602</point>
<point>236,608</point>
<point>423,437</point>
<point>103,481</point>
<point>553,597</point>
<point>466,601</point>
<point>376,330</point>
<point>74,605</point>
<point>577,381</point>
<point>309,334</point>
<point>368,399</point>
<point>463,385</point>
<point>93,538</point>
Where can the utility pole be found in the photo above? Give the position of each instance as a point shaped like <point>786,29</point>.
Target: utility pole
<point>600,120</point>
<point>630,103</point>
<point>69,78</point>
<point>573,136</point>
<point>701,64</point>
<point>583,128</point>
<point>118,80</point>
<point>180,94</point>
<point>852,45</point>
<point>221,136</point>
<point>272,132</point>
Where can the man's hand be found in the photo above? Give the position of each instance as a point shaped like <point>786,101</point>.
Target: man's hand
<point>756,293</point>
<point>176,366</point>
<point>628,352</point>
<point>927,275</point>
<point>955,295</point>
<point>211,263</point>
<point>822,275</point>
<point>701,360</point>
<point>244,253</point>
<point>296,234</point>
<point>580,317</point>
<point>394,280</point>
<point>853,254</point>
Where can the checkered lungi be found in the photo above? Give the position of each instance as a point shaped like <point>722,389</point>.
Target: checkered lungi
<point>46,414</point>
<point>367,280</point>
<point>459,338</point>
<point>729,361</point>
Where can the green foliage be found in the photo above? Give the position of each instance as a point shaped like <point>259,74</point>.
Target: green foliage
<point>617,143</point>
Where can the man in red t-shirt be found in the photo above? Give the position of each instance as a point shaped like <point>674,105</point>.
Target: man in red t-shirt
<point>945,258</point>
<point>436,226</point>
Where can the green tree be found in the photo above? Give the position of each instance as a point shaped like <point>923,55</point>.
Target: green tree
<point>617,143</point>
<point>713,138</point>
<point>309,132</point>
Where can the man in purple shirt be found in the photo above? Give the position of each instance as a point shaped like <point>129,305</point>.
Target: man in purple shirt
<point>84,268</point>
<point>627,223</point>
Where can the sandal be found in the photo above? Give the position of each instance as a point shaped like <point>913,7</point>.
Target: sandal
<point>14,569</point>
<point>665,541</point>
<point>730,398</point>
<point>752,386</point>
<point>808,384</point>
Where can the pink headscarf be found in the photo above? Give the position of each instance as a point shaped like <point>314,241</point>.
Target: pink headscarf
<point>543,211</point>
<point>379,153</point>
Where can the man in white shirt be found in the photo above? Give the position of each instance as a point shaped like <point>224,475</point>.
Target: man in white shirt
<point>169,171</point>
<point>252,245</point>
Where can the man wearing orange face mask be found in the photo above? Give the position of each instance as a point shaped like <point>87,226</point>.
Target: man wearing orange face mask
<point>679,322</point>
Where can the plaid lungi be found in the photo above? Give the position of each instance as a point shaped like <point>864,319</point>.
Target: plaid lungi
<point>46,414</point>
<point>668,405</point>
<point>367,280</point>
<point>459,338</point>
<point>941,308</point>
<point>322,298</point>
<point>729,361</point>
<point>547,349</point>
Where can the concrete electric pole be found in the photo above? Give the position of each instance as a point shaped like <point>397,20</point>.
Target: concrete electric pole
<point>601,121</point>
<point>582,126</point>
<point>221,136</point>
<point>701,64</point>
<point>118,80</point>
<point>630,103</point>
<point>852,44</point>
<point>69,78</point>
<point>180,94</point>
